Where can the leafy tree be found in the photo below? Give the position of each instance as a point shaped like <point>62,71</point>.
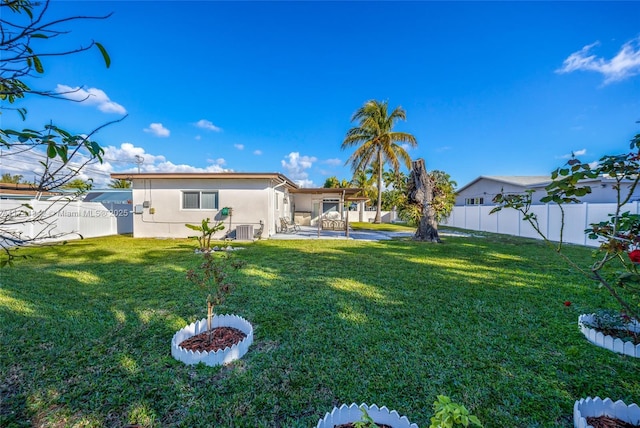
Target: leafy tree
<point>444,194</point>
<point>65,153</point>
<point>377,142</point>
<point>617,262</point>
<point>78,184</point>
<point>443,189</point>
<point>395,194</point>
<point>360,180</point>
<point>394,179</point>
<point>8,178</point>
<point>334,183</point>
<point>118,183</point>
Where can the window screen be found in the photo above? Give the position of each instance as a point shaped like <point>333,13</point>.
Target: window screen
<point>190,200</point>
<point>209,200</point>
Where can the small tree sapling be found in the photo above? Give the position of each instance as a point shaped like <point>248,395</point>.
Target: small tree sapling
<point>206,233</point>
<point>212,277</point>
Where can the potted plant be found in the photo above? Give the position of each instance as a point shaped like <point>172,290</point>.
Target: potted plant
<point>217,339</point>
<point>617,264</point>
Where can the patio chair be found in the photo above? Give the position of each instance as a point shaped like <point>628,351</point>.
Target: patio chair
<point>287,226</point>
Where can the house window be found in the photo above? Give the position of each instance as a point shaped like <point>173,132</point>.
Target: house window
<point>199,200</point>
<point>474,201</point>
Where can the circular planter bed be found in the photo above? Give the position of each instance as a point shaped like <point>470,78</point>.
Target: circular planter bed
<point>345,415</point>
<point>608,342</point>
<point>221,356</point>
<point>605,412</point>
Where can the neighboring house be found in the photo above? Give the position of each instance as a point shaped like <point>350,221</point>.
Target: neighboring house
<point>23,191</point>
<point>245,202</point>
<point>483,189</point>
<point>110,196</point>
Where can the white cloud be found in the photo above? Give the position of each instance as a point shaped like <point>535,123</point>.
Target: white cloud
<point>239,146</point>
<point>625,64</point>
<point>158,130</point>
<point>443,149</point>
<point>198,138</point>
<point>125,159</point>
<point>171,167</point>
<point>575,153</point>
<point>90,96</point>
<point>333,162</point>
<point>257,152</point>
<point>219,161</point>
<point>296,166</point>
<point>115,159</point>
<point>127,152</point>
<point>206,124</point>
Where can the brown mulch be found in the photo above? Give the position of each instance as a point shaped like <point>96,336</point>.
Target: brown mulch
<point>351,425</point>
<point>607,422</point>
<point>221,337</point>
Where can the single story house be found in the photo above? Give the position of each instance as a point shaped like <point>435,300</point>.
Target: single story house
<point>23,191</point>
<point>483,189</point>
<point>109,196</point>
<point>248,204</point>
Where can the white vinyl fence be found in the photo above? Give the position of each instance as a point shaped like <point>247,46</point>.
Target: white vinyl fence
<point>508,221</point>
<point>63,220</point>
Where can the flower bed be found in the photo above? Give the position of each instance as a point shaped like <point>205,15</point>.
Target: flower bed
<point>595,407</point>
<point>608,342</point>
<point>222,356</point>
<point>381,415</point>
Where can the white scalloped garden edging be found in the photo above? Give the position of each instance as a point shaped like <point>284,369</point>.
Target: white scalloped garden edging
<point>352,413</point>
<point>594,407</point>
<point>222,356</point>
<point>608,342</point>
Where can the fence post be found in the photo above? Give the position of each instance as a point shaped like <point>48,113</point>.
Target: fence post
<point>586,221</point>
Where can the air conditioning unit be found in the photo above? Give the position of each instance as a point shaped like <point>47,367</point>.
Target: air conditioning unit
<point>244,232</point>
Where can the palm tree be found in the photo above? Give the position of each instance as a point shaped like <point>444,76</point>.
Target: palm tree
<point>120,184</point>
<point>377,143</point>
<point>362,181</point>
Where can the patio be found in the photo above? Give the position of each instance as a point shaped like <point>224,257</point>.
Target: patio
<point>311,232</point>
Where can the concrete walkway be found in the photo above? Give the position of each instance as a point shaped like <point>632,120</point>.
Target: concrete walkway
<point>308,232</point>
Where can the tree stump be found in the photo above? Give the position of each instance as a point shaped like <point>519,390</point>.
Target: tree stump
<point>421,193</point>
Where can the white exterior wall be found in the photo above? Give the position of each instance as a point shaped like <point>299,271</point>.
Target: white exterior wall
<point>486,189</point>
<point>251,200</point>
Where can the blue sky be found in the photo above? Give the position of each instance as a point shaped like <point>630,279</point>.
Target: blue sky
<point>490,88</point>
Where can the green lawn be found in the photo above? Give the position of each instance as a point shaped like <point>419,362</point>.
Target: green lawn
<point>85,333</point>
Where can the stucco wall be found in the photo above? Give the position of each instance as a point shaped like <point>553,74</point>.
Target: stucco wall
<point>486,189</point>
<point>252,201</point>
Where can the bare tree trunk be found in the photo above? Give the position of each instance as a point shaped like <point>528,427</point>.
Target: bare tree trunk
<point>421,193</point>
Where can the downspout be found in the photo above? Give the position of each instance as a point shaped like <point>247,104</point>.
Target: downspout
<point>346,228</point>
<point>272,221</point>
